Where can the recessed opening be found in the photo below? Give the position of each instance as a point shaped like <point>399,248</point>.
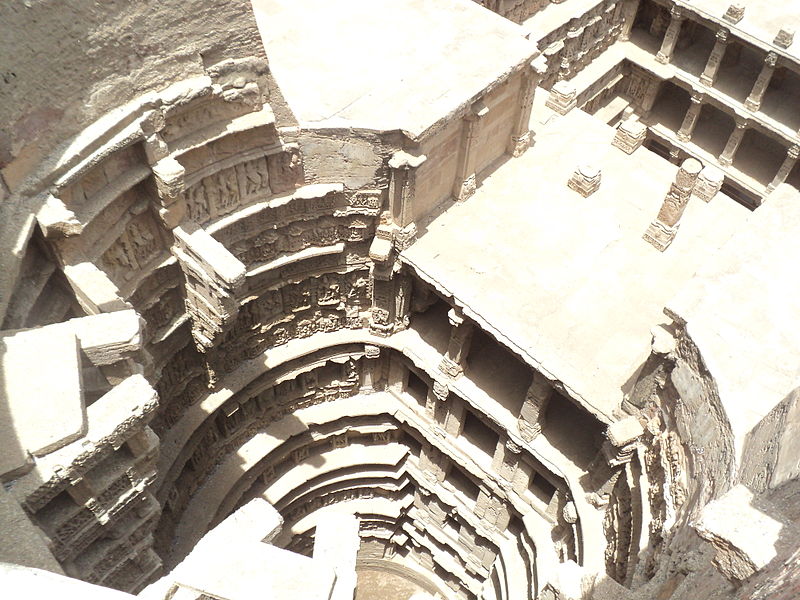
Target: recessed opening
<point>479,434</point>
<point>417,388</point>
<point>498,372</point>
<point>463,483</point>
<point>542,488</point>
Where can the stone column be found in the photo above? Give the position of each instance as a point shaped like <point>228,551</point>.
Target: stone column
<point>370,363</point>
<point>532,415</point>
<point>786,168</point>
<point>662,231</point>
<point>464,185</point>
<point>506,459</point>
<point>521,138</point>
<point>664,55</point>
<point>690,120</point>
<point>715,58</point>
<point>649,97</point>
<point>753,101</point>
<point>401,185</point>
<point>726,158</point>
<point>458,347</point>
<point>629,10</point>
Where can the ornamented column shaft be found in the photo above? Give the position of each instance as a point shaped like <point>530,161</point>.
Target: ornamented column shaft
<point>786,168</point>
<point>521,138</point>
<point>715,58</point>
<point>465,183</point>
<point>726,158</point>
<point>662,231</point>
<point>532,415</point>
<point>629,10</point>
<point>753,101</point>
<point>506,459</point>
<point>690,120</point>
<point>664,55</point>
<point>458,347</point>
<point>370,375</point>
<point>649,97</point>
<point>402,185</point>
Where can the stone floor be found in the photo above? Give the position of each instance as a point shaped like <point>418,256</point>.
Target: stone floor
<point>377,584</point>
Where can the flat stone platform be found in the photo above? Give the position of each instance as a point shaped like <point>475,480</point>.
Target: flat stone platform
<point>569,280</point>
<point>385,64</point>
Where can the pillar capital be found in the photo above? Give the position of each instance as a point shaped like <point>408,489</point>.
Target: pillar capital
<point>676,12</point>
<point>722,35</point>
<point>771,59</point>
<point>794,152</point>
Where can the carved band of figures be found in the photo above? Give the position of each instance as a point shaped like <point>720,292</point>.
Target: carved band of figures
<point>247,182</point>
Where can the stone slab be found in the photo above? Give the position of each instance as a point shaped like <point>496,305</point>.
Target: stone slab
<point>741,312</point>
<point>584,315</point>
<point>41,390</point>
<point>385,65</point>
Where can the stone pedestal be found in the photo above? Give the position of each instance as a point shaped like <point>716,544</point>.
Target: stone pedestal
<point>784,38</point>
<point>585,180</point>
<point>708,183</point>
<point>734,14</point>
<point>630,135</point>
<point>562,97</point>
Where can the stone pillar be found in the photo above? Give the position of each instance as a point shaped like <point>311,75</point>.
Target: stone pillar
<point>401,185</point>
<point>506,459</point>
<point>532,415</point>
<point>629,10</point>
<point>726,158</point>
<point>372,356</point>
<point>630,135</point>
<point>662,231</point>
<point>649,97</point>
<point>562,98</point>
<point>690,120</point>
<point>465,184</point>
<point>454,360</point>
<point>664,55</point>
<point>715,58</point>
<point>753,101</point>
<point>735,13</point>
<point>492,510</point>
<point>585,180</point>
<point>784,37</point>
<point>454,421</point>
<point>786,168</point>
<point>622,438</point>
<point>521,138</point>
<point>708,183</point>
